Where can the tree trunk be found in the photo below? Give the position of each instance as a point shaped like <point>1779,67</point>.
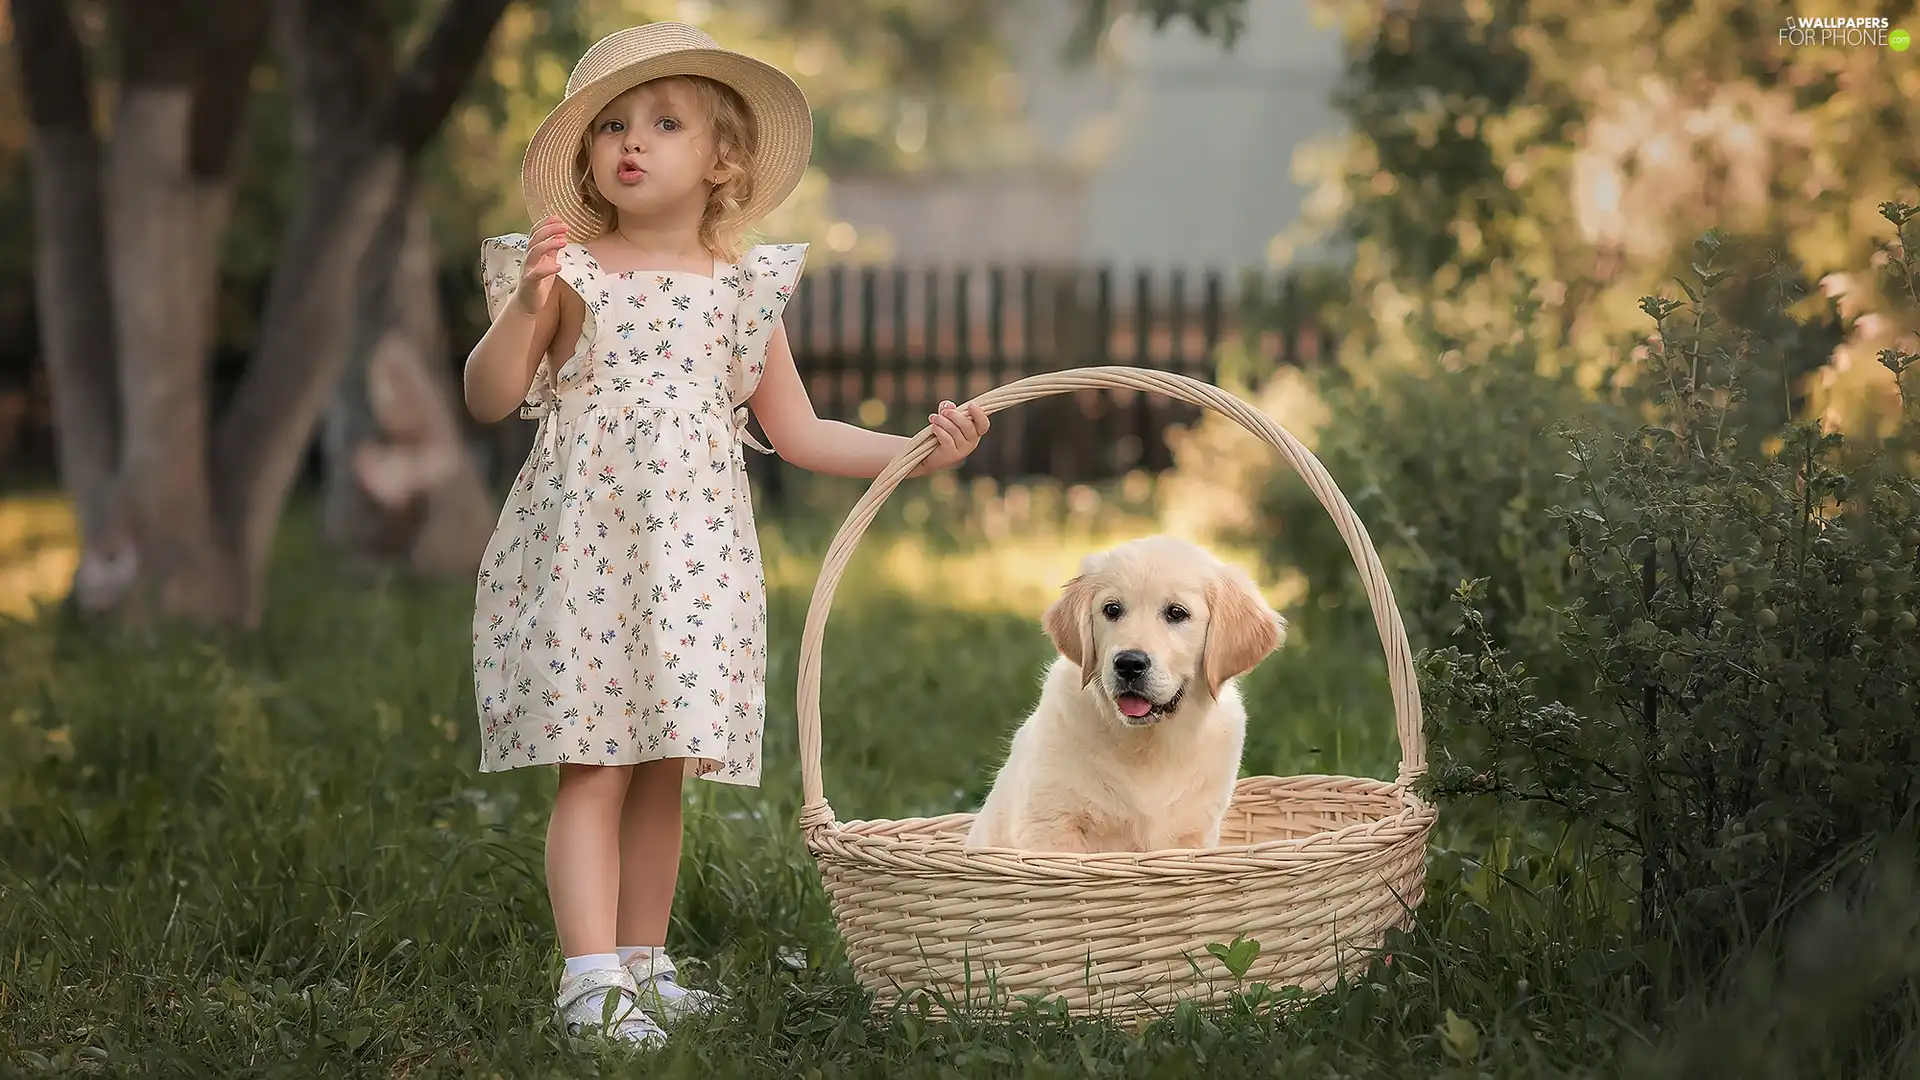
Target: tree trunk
<point>332,88</point>
<point>402,487</point>
<point>141,308</point>
<point>168,186</point>
<point>304,340</point>
<point>126,266</point>
<point>71,292</point>
<point>77,346</point>
<point>360,157</point>
<point>162,234</point>
<point>350,518</point>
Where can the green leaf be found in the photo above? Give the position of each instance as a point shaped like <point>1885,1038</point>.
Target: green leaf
<point>1459,1038</point>
<point>1238,957</point>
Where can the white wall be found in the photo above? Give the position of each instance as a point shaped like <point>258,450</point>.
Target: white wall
<point>1183,150</point>
<point>1200,169</point>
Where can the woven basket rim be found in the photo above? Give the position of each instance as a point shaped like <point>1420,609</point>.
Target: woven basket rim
<point>1317,852</point>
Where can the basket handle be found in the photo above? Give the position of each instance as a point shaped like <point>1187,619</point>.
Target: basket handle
<point>816,813</point>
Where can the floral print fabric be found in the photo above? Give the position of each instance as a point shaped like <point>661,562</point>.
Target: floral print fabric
<point>620,612</point>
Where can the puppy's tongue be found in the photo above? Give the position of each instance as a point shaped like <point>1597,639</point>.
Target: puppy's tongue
<point>1133,705</point>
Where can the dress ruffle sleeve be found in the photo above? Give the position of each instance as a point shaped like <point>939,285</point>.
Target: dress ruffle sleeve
<point>768,276</point>
<point>501,261</point>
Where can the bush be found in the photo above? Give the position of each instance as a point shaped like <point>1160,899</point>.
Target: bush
<point>1667,643</point>
<point>1746,622</point>
<point>1453,469</point>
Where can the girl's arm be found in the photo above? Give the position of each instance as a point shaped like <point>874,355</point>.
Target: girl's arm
<point>802,438</point>
<point>501,366</point>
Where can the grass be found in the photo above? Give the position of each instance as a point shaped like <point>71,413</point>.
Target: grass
<point>273,856</point>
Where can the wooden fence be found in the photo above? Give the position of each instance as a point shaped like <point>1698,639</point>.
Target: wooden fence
<point>882,346</point>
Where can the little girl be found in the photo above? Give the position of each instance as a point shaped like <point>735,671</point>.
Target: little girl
<point>620,618</point>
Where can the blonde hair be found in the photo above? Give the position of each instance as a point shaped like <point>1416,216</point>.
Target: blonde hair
<point>723,227</point>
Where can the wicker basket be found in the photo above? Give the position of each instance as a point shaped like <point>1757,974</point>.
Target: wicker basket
<point>1313,868</point>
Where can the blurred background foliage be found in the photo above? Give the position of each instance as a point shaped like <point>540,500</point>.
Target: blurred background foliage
<point>1517,175</point>
<point>897,86</point>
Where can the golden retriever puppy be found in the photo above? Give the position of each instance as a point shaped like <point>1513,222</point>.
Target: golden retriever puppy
<point>1135,742</point>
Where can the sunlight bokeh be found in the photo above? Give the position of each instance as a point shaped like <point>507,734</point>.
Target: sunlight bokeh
<point>1018,572</point>
<point>38,552</point>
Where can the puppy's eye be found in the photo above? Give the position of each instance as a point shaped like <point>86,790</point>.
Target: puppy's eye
<point>1113,610</point>
<point>1175,613</point>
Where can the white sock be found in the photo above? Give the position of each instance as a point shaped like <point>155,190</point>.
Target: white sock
<point>591,962</point>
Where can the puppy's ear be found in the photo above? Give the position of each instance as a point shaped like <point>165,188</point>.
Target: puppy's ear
<point>1241,628</point>
<point>1069,622</point>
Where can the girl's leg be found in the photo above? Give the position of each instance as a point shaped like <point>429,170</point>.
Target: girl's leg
<point>583,883</point>
<point>649,870</point>
<point>650,851</point>
<point>583,856</point>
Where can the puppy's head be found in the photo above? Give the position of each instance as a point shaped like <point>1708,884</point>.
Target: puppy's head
<point>1156,618</point>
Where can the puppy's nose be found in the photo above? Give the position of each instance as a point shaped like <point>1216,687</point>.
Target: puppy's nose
<point>1130,663</point>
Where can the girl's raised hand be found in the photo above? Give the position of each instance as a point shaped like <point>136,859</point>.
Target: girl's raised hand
<point>958,432</point>
<point>543,262</point>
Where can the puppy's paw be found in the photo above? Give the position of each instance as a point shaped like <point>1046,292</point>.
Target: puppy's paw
<point>1072,832</point>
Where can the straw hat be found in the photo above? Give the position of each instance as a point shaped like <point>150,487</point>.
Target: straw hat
<point>782,121</point>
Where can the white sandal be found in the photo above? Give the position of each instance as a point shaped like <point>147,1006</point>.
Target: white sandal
<point>657,981</point>
<point>618,1015</point>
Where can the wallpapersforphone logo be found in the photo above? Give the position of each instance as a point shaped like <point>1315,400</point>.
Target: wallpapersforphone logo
<point>1859,32</point>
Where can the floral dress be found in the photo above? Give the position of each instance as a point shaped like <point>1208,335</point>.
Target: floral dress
<point>620,613</point>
